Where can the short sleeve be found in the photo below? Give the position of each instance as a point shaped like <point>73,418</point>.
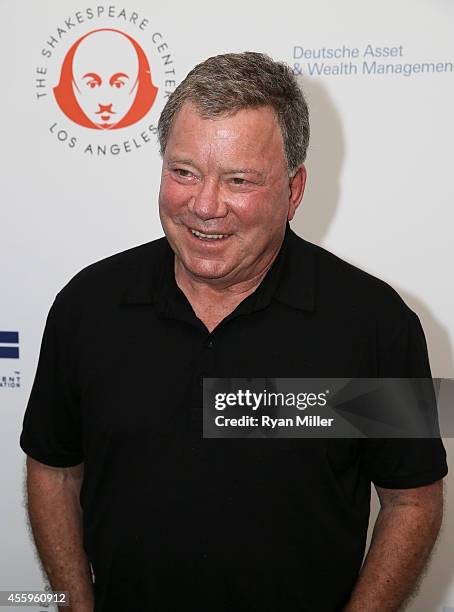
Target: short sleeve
<point>400,463</point>
<point>51,431</point>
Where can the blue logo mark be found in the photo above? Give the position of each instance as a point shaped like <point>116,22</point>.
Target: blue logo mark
<point>11,340</point>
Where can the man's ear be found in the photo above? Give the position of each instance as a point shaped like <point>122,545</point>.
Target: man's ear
<point>296,190</point>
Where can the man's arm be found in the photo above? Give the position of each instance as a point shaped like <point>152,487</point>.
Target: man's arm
<point>56,520</point>
<point>403,537</point>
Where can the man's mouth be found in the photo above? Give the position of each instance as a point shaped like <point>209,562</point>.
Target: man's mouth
<point>203,236</point>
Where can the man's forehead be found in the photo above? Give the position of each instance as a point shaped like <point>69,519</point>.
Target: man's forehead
<point>249,141</point>
<point>105,50</point>
<point>249,131</point>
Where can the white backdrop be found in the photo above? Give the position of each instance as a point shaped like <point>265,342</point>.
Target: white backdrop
<point>380,187</point>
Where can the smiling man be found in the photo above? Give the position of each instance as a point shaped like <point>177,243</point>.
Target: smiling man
<point>131,508</point>
<point>224,201</point>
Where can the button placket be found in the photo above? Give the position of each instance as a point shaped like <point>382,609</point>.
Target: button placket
<point>205,369</point>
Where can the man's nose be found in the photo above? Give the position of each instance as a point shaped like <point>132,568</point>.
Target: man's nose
<point>208,202</point>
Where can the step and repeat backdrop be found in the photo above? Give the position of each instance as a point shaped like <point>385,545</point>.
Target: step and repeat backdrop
<point>378,77</point>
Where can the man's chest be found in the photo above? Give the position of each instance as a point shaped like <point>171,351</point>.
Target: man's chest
<point>135,370</point>
<point>141,403</point>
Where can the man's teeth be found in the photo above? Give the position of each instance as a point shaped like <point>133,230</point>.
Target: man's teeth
<point>208,236</point>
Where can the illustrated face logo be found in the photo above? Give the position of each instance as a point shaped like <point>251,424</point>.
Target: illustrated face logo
<point>105,81</point>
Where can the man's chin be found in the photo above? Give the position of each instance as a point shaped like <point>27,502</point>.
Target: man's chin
<point>206,270</point>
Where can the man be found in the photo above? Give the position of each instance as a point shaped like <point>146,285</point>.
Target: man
<point>173,521</point>
<point>105,81</point>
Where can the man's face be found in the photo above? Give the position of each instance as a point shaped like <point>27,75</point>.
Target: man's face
<point>105,71</point>
<point>228,177</point>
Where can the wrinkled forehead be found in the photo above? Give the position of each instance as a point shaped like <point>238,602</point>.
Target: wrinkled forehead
<point>106,53</point>
<point>248,138</point>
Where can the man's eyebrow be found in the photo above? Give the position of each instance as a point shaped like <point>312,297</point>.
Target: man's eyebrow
<point>189,162</point>
<point>243,171</point>
<point>118,75</point>
<point>93,75</point>
<point>178,160</point>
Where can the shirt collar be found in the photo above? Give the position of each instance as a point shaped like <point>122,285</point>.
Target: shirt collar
<point>290,280</point>
<point>296,283</point>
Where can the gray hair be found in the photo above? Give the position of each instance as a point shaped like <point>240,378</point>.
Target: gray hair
<point>224,84</point>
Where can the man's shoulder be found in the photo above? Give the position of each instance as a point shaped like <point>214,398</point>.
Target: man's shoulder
<point>109,277</point>
<point>340,284</point>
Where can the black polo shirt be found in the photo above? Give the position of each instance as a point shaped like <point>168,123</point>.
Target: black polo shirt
<point>173,521</point>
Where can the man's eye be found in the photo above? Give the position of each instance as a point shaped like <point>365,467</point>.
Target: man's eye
<point>239,181</point>
<point>92,84</point>
<point>118,84</point>
<point>183,173</point>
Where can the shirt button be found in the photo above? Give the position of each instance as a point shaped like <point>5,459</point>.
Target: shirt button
<point>210,344</point>
<point>201,377</point>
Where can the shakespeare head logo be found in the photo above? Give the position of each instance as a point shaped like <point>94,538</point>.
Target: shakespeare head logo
<point>105,81</point>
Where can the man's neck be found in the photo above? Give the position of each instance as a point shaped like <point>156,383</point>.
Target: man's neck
<point>212,302</point>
